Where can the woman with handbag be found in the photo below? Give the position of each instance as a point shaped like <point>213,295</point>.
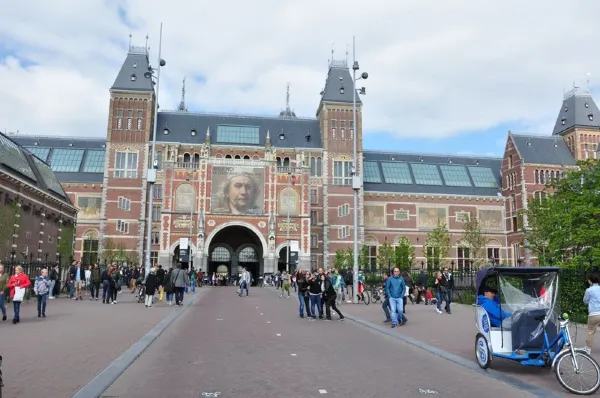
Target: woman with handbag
<point>17,285</point>
<point>115,286</point>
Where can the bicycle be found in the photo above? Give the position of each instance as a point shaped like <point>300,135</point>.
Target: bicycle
<point>365,297</point>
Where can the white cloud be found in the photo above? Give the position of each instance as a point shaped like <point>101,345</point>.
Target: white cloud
<point>436,68</point>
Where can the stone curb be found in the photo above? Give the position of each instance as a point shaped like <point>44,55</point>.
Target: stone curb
<point>112,372</point>
<point>494,374</point>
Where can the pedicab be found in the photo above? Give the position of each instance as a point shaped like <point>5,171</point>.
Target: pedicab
<point>518,318</point>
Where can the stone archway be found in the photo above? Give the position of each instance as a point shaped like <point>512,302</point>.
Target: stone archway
<point>235,246</point>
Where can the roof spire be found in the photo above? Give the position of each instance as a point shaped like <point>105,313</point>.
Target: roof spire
<point>207,139</point>
<point>182,107</point>
<point>268,140</point>
<point>288,113</point>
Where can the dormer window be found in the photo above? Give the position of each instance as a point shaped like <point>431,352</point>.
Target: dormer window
<point>587,105</point>
<point>133,77</point>
<point>193,132</point>
<point>166,131</point>
<point>566,108</point>
<point>591,117</point>
<point>563,121</point>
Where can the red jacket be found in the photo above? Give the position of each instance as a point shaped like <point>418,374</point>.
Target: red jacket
<point>20,280</point>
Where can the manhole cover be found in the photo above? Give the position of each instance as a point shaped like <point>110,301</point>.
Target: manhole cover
<point>427,391</point>
<point>211,394</point>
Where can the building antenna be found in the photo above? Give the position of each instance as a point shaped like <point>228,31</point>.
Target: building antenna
<point>287,98</point>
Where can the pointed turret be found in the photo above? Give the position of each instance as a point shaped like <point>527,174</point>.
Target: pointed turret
<point>182,107</point>
<point>132,77</point>
<point>268,140</point>
<point>578,110</point>
<point>339,84</point>
<point>207,138</point>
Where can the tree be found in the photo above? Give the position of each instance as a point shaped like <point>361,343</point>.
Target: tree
<point>385,256</point>
<point>108,250</point>
<point>563,223</point>
<point>437,245</point>
<point>120,252</point>
<point>133,258</point>
<point>341,256</point>
<point>65,246</point>
<point>473,240</point>
<point>8,218</point>
<point>363,258</point>
<point>404,254</point>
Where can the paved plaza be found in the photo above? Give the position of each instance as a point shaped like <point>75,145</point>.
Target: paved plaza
<point>253,346</point>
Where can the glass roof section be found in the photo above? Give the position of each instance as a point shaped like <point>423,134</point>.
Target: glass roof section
<point>66,160</point>
<point>41,153</point>
<point>483,177</point>
<point>396,173</point>
<point>455,176</point>
<point>94,161</point>
<point>426,174</point>
<point>12,157</point>
<point>372,172</point>
<point>238,135</point>
<point>49,178</point>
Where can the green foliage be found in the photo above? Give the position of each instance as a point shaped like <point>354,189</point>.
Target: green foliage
<point>120,252</point>
<point>565,225</point>
<point>404,254</point>
<point>8,218</point>
<point>363,258</point>
<point>385,256</point>
<point>65,246</point>
<point>437,246</point>
<point>340,259</point>
<point>475,241</point>
<point>108,250</point>
<point>133,258</point>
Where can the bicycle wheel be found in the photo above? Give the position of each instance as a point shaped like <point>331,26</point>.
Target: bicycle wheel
<point>366,297</point>
<point>571,370</point>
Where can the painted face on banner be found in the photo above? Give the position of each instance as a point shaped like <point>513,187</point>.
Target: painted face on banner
<point>241,194</point>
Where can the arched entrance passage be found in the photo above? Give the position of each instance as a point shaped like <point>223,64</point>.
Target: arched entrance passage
<point>283,258</point>
<point>235,246</point>
<point>175,256</point>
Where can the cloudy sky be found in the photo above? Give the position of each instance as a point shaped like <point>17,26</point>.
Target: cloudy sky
<point>444,76</point>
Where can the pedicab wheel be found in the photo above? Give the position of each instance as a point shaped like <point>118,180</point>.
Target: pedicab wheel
<point>571,379</point>
<point>366,298</point>
<point>482,352</point>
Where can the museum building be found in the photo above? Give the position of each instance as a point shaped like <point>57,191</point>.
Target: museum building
<point>34,208</point>
<point>242,189</point>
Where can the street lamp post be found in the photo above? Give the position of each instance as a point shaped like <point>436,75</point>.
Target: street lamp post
<point>292,181</point>
<point>151,175</point>
<point>356,180</point>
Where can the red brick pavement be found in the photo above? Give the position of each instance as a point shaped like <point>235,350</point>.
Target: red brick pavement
<point>455,333</point>
<point>242,347</point>
<point>56,356</point>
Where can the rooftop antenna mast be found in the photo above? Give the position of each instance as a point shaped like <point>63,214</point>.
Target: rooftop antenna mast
<point>287,98</point>
<point>130,36</point>
<point>182,107</point>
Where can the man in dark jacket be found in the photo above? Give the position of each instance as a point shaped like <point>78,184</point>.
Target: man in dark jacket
<point>160,279</point>
<point>395,287</point>
<point>95,278</point>
<point>329,295</point>
<point>447,285</point>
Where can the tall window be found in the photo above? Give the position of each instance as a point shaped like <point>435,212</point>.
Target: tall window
<point>463,257</point>
<point>126,165</point>
<point>342,172</point>
<point>90,250</point>
<point>493,254</point>
<point>156,213</point>
<point>159,160</point>
<point>139,119</point>
<point>155,238</point>
<point>314,199</point>
<point>314,217</point>
<point>119,119</point>
<point>372,258</point>
<point>129,119</point>
<point>313,262</point>
<point>314,241</point>
<point>154,258</point>
<point>316,165</point>
<point>157,191</point>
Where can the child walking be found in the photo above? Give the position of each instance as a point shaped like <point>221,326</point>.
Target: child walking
<point>41,289</point>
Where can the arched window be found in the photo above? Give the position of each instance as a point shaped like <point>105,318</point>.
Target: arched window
<point>319,167</point>
<point>238,157</point>
<point>537,177</point>
<point>90,248</point>
<point>227,156</point>
<point>248,255</point>
<point>220,254</point>
<point>552,176</point>
<point>246,157</point>
<point>313,166</point>
<point>547,175</point>
<point>186,158</point>
<point>286,162</point>
<point>542,177</point>
<point>196,159</point>
<point>278,161</point>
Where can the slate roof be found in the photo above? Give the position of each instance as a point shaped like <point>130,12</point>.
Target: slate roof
<point>577,110</point>
<point>337,77</point>
<point>20,163</point>
<point>543,149</point>
<point>378,162</point>
<point>131,76</point>
<point>295,131</point>
<point>78,155</point>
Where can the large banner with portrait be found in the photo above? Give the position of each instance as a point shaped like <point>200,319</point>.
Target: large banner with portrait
<point>89,207</point>
<point>238,190</point>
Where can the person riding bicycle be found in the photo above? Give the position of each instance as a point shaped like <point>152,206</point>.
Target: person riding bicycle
<point>361,282</point>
